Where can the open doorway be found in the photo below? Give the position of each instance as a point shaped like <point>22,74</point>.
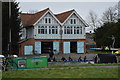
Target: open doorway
<point>46,47</point>
<point>73,47</point>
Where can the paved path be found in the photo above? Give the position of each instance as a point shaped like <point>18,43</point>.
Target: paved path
<point>86,67</point>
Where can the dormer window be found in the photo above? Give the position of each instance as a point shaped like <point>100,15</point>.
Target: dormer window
<point>48,20</point>
<point>73,21</point>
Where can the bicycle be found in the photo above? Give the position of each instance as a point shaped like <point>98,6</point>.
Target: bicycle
<point>8,64</point>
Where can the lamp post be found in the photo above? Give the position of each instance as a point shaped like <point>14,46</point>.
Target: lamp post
<point>9,44</point>
<point>61,46</point>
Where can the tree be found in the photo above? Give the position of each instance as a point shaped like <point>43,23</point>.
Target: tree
<point>110,15</point>
<point>104,33</point>
<point>33,11</point>
<point>93,20</point>
<point>110,27</point>
<point>10,22</point>
<point>119,10</point>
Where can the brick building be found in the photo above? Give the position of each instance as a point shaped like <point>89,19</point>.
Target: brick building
<point>44,33</point>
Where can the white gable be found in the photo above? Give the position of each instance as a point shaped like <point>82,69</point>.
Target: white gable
<point>41,22</point>
<point>48,14</point>
<point>79,20</point>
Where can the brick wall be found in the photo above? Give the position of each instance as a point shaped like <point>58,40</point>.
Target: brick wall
<point>32,41</point>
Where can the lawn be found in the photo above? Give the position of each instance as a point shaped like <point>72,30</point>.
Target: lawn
<point>99,52</point>
<point>64,73</point>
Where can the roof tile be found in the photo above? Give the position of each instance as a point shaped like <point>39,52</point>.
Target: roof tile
<point>63,16</point>
<point>29,19</point>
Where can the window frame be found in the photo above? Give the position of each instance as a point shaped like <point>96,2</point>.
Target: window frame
<point>68,30</point>
<point>42,29</point>
<point>53,30</point>
<point>73,21</point>
<point>47,20</point>
<point>77,30</point>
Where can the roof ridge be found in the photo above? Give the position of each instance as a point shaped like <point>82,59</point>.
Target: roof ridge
<point>42,10</point>
<point>27,14</point>
<point>34,17</point>
<point>65,12</point>
<point>37,15</point>
<point>64,15</point>
<point>36,12</point>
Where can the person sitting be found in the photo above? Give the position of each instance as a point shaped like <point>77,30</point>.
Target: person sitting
<point>70,59</point>
<point>51,54</point>
<point>49,60</point>
<point>63,59</point>
<point>54,59</point>
<point>95,59</point>
<point>79,59</point>
<point>85,59</point>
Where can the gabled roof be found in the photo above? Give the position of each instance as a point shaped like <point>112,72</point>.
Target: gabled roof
<point>63,16</point>
<point>29,19</point>
<point>25,18</point>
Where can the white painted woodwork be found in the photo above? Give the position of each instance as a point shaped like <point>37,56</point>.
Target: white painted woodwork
<point>33,32</point>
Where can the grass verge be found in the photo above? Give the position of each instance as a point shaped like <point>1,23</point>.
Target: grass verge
<point>65,73</point>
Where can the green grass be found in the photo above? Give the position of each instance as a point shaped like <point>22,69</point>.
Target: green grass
<point>98,52</point>
<point>65,73</point>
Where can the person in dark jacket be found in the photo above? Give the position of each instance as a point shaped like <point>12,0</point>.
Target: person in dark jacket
<point>70,59</point>
<point>95,59</point>
<point>49,60</point>
<point>63,59</point>
<point>54,59</point>
<point>51,54</point>
<point>79,59</point>
<point>85,59</point>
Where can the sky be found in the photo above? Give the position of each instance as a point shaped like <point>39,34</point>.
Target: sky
<point>82,8</point>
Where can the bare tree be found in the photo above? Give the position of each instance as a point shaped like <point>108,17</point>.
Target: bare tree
<point>110,15</point>
<point>119,10</point>
<point>92,20</point>
<point>33,11</point>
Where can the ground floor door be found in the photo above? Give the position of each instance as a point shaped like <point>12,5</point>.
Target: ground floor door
<point>80,47</point>
<point>66,47</point>
<point>73,46</point>
<point>28,49</point>
<point>46,47</point>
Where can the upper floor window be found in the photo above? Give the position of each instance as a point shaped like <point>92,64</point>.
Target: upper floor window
<point>53,30</point>
<point>42,29</point>
<point>48,20</point>
<point>68,30</point>
<point>77,30</point>
<point>73,21</point>
<point>47,30</point>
